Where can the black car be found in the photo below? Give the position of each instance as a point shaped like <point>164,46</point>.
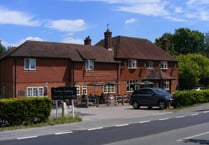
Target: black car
<point>150,97</point>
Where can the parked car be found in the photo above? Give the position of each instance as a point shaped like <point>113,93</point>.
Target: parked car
<point>150,97</point>
<point>198,88</point>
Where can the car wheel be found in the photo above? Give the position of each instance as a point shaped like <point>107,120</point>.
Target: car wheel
<point>135,105</point>
<point>162,105</point>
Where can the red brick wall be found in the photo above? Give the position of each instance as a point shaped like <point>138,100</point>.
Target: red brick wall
<point>7,77</point>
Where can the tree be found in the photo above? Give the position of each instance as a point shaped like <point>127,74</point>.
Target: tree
<point>2,48</point>
<point>206,42</point>
<point>193,70</point>
<point>184,41</point>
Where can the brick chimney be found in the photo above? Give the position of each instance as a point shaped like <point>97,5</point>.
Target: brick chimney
<point>108,39</point>
<point>165,44</point>
<point>87,41</point>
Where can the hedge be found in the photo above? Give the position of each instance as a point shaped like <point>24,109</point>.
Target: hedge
<point>15,111</point>
<point>190,97</point>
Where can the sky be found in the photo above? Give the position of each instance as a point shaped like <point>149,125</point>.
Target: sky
<point>71,21</point>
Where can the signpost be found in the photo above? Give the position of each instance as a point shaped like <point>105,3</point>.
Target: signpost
<point>64,93</point>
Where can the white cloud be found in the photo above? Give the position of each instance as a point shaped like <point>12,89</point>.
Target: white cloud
<point>8,44</point>
<point>174,10</point>
<point>68,25</point>
<point>146,8</point>
<point>16,18</point>
<point>131,20</point>
<point>69,39</point>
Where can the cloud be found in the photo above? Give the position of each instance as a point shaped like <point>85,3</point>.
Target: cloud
<point>69,39</point>
<point>68,25</point>
<point>173,10</point>
<point>16,18</point>
<point>8,44</point>
<point>131,20</point>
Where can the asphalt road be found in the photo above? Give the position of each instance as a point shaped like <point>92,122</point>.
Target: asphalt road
<point>185,128</point>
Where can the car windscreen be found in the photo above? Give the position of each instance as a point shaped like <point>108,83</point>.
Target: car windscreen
<point>160,91</point>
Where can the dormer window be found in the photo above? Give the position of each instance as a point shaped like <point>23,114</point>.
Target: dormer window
<point>29,64</point>
<point>89,65</point>
<point>164,65</point>
<point>132,64</point>
<point>149,64</point>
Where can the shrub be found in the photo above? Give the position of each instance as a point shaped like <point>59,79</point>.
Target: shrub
<point>15,111</point>
<point>190,97</point>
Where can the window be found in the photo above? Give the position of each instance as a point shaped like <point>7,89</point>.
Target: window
<point>35,91</point>
<point>131,85</point>
<point>84,90</point>
<point>109,89</point>
<point>167,85</point>
<point>89,65</point>
<point>149,64</point>
<point>132,64</point>
<point>29,64</point>
<point>77,90</point>
<point>164,65</point>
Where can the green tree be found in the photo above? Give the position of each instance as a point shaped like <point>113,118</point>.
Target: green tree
<point>184,41</point>
<point>169,37</point>
<point>193,70</point>
<point>2,48</point>
<point>206,42</point>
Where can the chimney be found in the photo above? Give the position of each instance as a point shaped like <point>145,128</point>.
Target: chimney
<point>108,39</point>
<point>165,44</point>
<point>87,41</point>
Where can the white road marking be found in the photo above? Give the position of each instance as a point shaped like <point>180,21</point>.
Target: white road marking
<point>96,128</point>
<point>205,111</point>
<point>26,137</point>
<point>146,121</point>
<point>179,116</point>
<point>194,114</point>
<point>119,125</point>
<point>163,119</point>
<point>189,137</point>
<point>60,133</point>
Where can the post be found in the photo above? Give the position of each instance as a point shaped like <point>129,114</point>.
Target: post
<point>56,108</point>
<point>73,110</point>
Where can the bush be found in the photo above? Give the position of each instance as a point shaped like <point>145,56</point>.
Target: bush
<point>15,111</point>
<point>190,97</point>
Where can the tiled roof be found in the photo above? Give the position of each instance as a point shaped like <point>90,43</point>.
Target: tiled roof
<point>157,75</point>
<point>137,48</point>
<point>75,52</point>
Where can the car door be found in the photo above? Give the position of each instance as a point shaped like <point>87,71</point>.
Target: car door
<point>148,97</point>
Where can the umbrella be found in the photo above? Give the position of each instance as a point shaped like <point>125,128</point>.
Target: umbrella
<point>94,84</point>
<point>148,83</point>
<point>111,83</point>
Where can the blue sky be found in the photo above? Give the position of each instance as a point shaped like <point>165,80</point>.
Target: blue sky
<point>71,21</point>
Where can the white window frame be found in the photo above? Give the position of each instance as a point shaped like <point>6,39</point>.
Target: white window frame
<point>132,64</point>
<point>131,85</point>
<point>164,64</point>
<point>35,91</point>
<point>149,64</point>
<point>89,65</point>
<point>167,85</point>
<point>84,90</point>
<point>78,90</point>
<point>108,89</point>
<point>30,64</point>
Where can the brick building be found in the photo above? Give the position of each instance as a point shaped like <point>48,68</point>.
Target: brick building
<point>115,65</point>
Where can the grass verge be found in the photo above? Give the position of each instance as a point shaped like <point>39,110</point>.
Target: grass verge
<point>50,122</point>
